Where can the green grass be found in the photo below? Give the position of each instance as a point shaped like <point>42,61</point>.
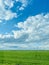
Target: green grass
<point>24,57</point>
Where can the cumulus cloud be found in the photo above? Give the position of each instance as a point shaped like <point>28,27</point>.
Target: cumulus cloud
<point>5,9</point>
<point>37,29</point>
<point>36,26</point>
<point>32,34</point>
<point>4,13</point>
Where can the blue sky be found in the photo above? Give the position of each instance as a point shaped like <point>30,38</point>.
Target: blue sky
<point>24,24</point>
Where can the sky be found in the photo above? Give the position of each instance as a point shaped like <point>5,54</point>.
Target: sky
<point>24,24</point>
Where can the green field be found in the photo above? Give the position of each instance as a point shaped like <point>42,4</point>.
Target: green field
<point>24,57</point>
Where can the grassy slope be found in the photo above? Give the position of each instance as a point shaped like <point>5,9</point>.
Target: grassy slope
<point>24,57</point>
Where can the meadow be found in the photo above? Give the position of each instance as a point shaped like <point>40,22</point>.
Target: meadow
<point>23,57</point>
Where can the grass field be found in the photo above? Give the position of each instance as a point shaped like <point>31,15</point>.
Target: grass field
<point>24,57</point>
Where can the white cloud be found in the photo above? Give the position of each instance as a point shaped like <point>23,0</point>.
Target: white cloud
<point>16,45</point>
<point>5,9</point>
<point>9,15</point>
<point>13,46</point>
<point>1,46</point>
<point>0,21</point>
<point>6,14</point>
<point>3,36</point>
<point>9,3</point>
<point>24,4</point>
<point>18,34</point>
<point>32,34</point>
<point>37,29</point>
<point>21,8</point>
<point>36,26</point>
